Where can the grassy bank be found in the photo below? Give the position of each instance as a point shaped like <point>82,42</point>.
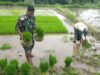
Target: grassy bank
<point>50,24</point>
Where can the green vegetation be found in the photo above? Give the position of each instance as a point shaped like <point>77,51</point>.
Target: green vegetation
<point>14,63</point>
<point>5,46</point>
<point>68,61</point>
<point>68,69</point>
<point>52,60</point>
<point>36,71</point>
<point>87,44</point>
<point>11,69</point>
<point>44,66</point>
<point>50,24</point>
<point>27,37</point>
<point>25,69</point>
<point>7,3</point>
<point>98,74</point>
<point>52,3</point>
<point>3,64</point>
<point>39,34</point>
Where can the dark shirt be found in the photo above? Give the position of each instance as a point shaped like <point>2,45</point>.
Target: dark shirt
<point>26,23</point>
<point>78,34</point>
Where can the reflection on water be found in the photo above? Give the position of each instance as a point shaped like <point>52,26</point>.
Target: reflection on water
<point>89,15</point>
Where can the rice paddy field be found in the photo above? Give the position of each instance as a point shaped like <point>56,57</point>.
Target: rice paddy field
<point>50,24</point>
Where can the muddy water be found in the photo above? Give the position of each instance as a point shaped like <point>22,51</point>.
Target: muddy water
<point>89,15</point>
<point>51,44</point>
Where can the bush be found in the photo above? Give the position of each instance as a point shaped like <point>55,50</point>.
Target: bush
<point>3,64</point>
<point>27,37</point>
<point>52,60</point>
<point>25,69</point>
<point>44,66</point>
<point>68,61</point>
<point>5,46</point>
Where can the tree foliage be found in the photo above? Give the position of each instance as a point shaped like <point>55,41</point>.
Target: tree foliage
<point>55,1</point>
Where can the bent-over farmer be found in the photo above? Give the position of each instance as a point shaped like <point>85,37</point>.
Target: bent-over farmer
<point>80,33</point>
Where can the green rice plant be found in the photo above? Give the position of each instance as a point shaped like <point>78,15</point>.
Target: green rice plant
<point>50,24</point>
<point>52,60</point>
<point>25,69</point>
<point>27,37</point>
<point>11,69</point>
<point>44,66</point>
<point>15,63</point>
<point>68,61</point>
<point>3,64</point>
<point>39,34</point>
<point>72,71</point>
<point>86,44</point>
<point>5,46</point>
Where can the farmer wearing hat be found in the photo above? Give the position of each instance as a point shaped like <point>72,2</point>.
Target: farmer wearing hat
<point>80,33</point>
<point>27,23</point>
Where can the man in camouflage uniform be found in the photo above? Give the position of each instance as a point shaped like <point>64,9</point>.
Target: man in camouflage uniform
<point>27,23</point>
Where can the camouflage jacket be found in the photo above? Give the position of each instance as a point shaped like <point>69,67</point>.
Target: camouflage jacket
<point>26,24</point>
